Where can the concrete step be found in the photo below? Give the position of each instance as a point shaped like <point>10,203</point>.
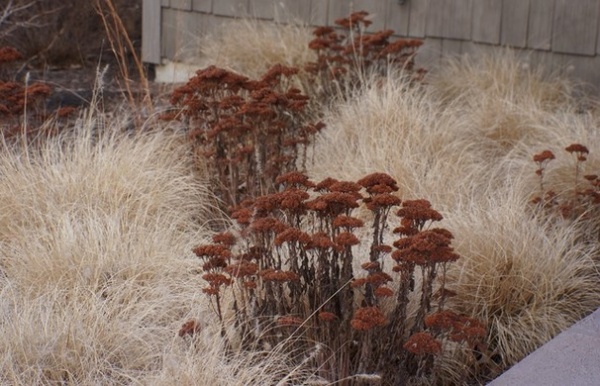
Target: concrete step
<point>570,359</point>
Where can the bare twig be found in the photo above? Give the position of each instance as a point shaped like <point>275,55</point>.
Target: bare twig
<point>11,11</point>
<point>121,45</point>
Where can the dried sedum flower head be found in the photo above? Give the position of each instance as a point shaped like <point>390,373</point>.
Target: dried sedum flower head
<point>292,199</point>
<point>426,247</point>
<point>442,320</point>
<point>291,235</point>
<point>212,250</point>
<point>295,178</point>
<point>271,274</point>
<point>384,292</point>
<point>224,238</point>
<point>371,266</point>
<point>580,151</point>
<point>217,279</point>
<point>577,148</point>
<point>423,343</point>
<point>419,212</point>
<point>546,155</point>
<point>241,269</point>
<point>345,187</point>
<point>378,183</point>
<point>346,239</point>
<point>9,54</point>
<point>191,328</point>
<point>325,184</point>
<point>267,224</point>
<point>327,316</point>
<point>333,203</point>
<point>366,318</point>
<point>289,321</point>
<point>347,222</point>
<point>321,240</point>
<point>382,200</point>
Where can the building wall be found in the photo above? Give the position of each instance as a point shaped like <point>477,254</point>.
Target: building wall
<point>561,34</point>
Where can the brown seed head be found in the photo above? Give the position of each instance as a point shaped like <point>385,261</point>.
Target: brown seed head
<point>348,222</point>
<point>289,321</point>
<point>546,155</point>
<point>212,250</point>
<point>346,239</point>
<point>383,292</point>
<point>366,318</point>
<point>270,274</point>
<point>423,343</point>
<point>191,327</point>
<point>577,148</point>
<point>294,178</point>
<point>241,269</point>
<point>224,238</point>
<point>374,182</point>
<point>327,316</point>
<point>292,235</point>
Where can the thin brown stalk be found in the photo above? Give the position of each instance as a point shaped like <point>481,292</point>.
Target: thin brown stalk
<point>121,45</point>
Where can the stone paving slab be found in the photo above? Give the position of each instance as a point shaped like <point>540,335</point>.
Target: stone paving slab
<point>570,359</point>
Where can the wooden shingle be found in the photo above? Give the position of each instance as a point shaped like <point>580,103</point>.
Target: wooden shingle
<point>429,54</point>
<point>181,32</point>
<point>181,4</point>
<point>451,47</point>
<point>541,13</point>
<point>262,9</point>
<point>449,19</point>
<point>151,31</point>
<point>168,35</point>
<point>435,18</point>
<point>397,17</point>
<point>457,21</point>
<point>319,12</point>
<point>487,15</point>
<point>515,17</point>
<point>575,26</point>
<point>202,5</point>
<point>292,10</point>
<point>417,21</point>
<point>337,10</point>
<point>237,8</point>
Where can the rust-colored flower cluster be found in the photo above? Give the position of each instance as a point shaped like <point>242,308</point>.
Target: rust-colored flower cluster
<point>366,318</point>
<point>9,54</point>
<point>191,328</point>
<point>18,100</point>
<point>579,202</point>
<point>457,328</point>
<point>423,343</point>
<point>14,97</point>
<point>250,131</point>
<point>426,247</point>
<point>344,55</point>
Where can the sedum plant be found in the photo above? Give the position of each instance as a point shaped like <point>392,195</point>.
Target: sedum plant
<point>290,274</point>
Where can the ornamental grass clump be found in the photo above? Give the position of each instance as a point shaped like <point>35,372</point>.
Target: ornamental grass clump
<point>249,131</point>
<point>289,272</point>
<point>264,45</point>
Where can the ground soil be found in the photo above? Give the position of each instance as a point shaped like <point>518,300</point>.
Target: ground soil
<point>73,77</point>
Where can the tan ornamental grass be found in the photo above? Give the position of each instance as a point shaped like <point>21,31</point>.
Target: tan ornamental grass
<point>96,269</point>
